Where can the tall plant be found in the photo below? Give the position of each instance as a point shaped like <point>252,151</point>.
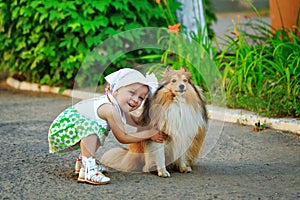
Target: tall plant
<point>262,72</point>
<point>183,44</point>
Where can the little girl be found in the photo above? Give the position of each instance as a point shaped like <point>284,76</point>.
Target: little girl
<point>86,124</point>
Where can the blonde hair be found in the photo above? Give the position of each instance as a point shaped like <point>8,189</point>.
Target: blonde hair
<point>107,88</point>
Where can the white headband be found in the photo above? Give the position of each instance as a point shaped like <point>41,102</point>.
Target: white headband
<point>129,76</point>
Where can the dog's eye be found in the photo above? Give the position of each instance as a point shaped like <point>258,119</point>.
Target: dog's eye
<point>173,80</point>
<point>184,80</point>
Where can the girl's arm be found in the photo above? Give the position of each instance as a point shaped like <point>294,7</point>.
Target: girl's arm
<point>109,113</point>
<point>132,120</point>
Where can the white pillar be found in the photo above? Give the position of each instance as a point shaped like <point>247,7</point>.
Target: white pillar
<point>192,16</point>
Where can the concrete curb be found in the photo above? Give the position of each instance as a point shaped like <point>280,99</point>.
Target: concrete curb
<point>216,113</point>
<point>249,118</point>
<point>23,85</point>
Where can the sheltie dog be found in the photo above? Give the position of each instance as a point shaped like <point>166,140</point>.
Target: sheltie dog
<point>177,108</point>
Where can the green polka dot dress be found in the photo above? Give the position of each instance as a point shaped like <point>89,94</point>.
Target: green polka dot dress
<point>78,122</point>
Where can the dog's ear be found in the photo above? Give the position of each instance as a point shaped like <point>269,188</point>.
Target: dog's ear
<point>182,68</point>
<point>144,118</point>
<point>167,71</point>
<point>168,68</point>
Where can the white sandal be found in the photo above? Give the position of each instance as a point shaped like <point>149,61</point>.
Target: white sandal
<point>78,163</point>
<point>90,173</point>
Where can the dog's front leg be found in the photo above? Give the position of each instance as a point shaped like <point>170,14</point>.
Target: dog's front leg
<point>155,155</point>
<point>183,166</point>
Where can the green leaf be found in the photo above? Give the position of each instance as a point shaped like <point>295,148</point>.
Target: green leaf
<point>101,5</point>
<point>89,11</point>
<point>25,11</point>
<point>49,51</point>
<point>38,28</point>
<point>35,4</point>
<point>133,25</point>
<point>118,20</point>
<point>54,15</point>
<point>20,45</point>
<point>118,5</point>
<point>46,79</point>
<point>34,37</point>
<point>67,41</point>
<point>26,54</point>
<point>144,19</point>
<point>87,26</point>
<point>53,24</point>
<point>26,27</point>
<point>89,40</point>
<point>82,48</point>
<point>51,4</point>
<point>75,42</point>
<point>100,20</point>
<point>33,65</point>
<point>15,12</point>
<point>130,15</point>
<point>7,56</point>
<point>74,25</point>
<point>73,14</point>
<point>54,64</point>
<point>42,17</point>
<point>140,5</point>
<point>70,5</point>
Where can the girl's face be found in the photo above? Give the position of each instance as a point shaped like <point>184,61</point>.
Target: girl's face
<point>130,97</point>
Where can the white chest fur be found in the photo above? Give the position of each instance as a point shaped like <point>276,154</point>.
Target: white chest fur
<point>181,122</point>
<point>181,118</point>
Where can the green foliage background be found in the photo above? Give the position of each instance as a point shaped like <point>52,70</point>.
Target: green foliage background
<point>46,41</point>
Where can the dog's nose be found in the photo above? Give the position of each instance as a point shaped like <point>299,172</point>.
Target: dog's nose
<point>181,86</point>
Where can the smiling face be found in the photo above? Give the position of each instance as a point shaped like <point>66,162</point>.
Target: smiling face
<point>130,97</point>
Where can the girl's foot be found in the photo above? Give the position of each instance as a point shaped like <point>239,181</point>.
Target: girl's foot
<point>89,173</point>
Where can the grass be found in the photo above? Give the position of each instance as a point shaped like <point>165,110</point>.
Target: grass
<point>261,70</point>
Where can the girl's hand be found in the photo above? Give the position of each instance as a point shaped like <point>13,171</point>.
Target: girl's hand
<point>159,137</point>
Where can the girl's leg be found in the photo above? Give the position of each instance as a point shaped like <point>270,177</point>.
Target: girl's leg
<point>89,146</point>
<point>85,149</point>
<point>89,170</point>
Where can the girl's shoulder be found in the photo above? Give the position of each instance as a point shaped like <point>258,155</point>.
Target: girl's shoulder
<point>92,101</point>
<point>89,107</point>
<point>106,110</point>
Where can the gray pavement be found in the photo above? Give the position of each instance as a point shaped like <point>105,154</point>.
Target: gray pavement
<point>241,165</point>
<point>224,25</point>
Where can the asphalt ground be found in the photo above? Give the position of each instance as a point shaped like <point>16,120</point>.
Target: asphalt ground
<point>242,164</point>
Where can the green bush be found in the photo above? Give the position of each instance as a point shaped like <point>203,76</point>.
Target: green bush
<point>261,70</point>
<point>46,41</point>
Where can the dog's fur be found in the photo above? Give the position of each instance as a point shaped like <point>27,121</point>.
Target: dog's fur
<point>178,109</point>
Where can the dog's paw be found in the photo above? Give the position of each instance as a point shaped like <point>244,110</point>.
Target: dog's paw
<point>163,173</point>
<point>185,169</point>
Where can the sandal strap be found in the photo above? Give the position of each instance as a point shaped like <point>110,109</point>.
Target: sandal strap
<point>78,164</point>
<point>90,172</point>
<point>98,177</point>
<point>90,165</point>
<point>101,168</point>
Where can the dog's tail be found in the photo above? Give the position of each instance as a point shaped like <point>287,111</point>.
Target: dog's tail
<point>122,159</point>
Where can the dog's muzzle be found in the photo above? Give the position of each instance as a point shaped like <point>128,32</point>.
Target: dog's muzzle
<point>181,88</point>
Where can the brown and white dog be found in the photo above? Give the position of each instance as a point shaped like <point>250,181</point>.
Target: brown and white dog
<point>177,108</point>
